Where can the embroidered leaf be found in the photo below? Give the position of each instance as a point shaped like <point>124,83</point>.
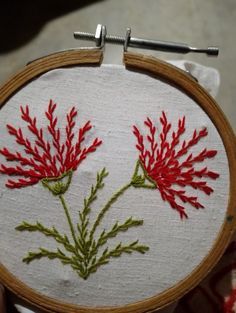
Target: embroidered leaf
<point>49,232</point>
<point>167,163</point>
<point>53,162</point>
<point>116,252</point>
<point>88,245</point>
<point>84,251</point>
<point>48,254</point>
<point>107,207</point>
<point>83,224</point>
<point>113,232</point>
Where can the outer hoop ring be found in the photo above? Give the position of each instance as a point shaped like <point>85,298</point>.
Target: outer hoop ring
<point>180,79</point>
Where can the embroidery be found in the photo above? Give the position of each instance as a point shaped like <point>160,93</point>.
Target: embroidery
<point>40,162</point>
<point>52,163</point>
<point>55,170</point>
<point>165,164</point>
<point>84,252</point>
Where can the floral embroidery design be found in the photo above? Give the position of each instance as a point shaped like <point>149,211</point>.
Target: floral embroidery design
<point>52,163</point>
<point>167,164</point>
<point>42,163</point>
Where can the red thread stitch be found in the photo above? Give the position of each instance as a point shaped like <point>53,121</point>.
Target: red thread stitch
<point>40,162</point>
<point>162,165</point>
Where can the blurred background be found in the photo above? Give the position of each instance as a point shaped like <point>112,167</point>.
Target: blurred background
<point>30,29</point>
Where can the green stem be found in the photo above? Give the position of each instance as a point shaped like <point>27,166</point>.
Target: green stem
<point>136,169</point>
<point>59,187</point>
<point>68,219</point>
<point>119,193</point>
<point>146,175</point>
<point>147,186</point>
<point>106,208</point>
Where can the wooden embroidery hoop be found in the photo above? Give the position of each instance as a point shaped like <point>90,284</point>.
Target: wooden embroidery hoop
<point>184,82</point>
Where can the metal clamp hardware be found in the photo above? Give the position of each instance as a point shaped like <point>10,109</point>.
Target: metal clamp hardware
<point>100,37</point>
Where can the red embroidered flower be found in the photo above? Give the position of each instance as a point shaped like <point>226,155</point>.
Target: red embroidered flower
<point>167,163</point>
<point>43,158</point>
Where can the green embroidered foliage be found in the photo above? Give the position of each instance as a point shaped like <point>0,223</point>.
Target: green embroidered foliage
<point>58,185</point>
<point>139,181</point>
<point>48,254</point>
<point>107,207</point>
<point>82,226</point>
<point>116,252</point>
<point>119,228</point>
<point>49,232</point>
<point>84,253</point>
<point>106,235</point>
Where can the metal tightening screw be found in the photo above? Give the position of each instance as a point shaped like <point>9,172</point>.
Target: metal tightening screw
<point>100,37</point>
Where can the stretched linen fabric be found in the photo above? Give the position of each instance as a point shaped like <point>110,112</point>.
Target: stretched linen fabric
<point>114,104</point>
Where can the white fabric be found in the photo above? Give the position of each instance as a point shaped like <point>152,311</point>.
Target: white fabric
<point>113,99</point>
<point>208,77</point>
<point>22,309</point>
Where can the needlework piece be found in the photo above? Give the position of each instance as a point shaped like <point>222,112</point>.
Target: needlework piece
<point>167,163</point>
<point>52,163</point>
<point>128,205</point>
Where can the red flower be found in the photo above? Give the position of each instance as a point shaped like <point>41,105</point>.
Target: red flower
<point>46,159</point>
<point>166,164</point>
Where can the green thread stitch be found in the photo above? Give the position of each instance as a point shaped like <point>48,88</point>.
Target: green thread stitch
<point>60,187</point>
<point>51,160</point>
<point>84,254</point>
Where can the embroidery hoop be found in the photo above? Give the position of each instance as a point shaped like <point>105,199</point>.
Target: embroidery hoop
<point>178,78</point>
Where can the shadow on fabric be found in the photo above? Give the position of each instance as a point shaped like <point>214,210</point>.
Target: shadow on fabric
<point>21,21</point>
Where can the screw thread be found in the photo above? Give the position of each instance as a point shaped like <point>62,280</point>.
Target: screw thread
<point>108,38</point>
<point>84,35</point>
<point>115,39</point>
